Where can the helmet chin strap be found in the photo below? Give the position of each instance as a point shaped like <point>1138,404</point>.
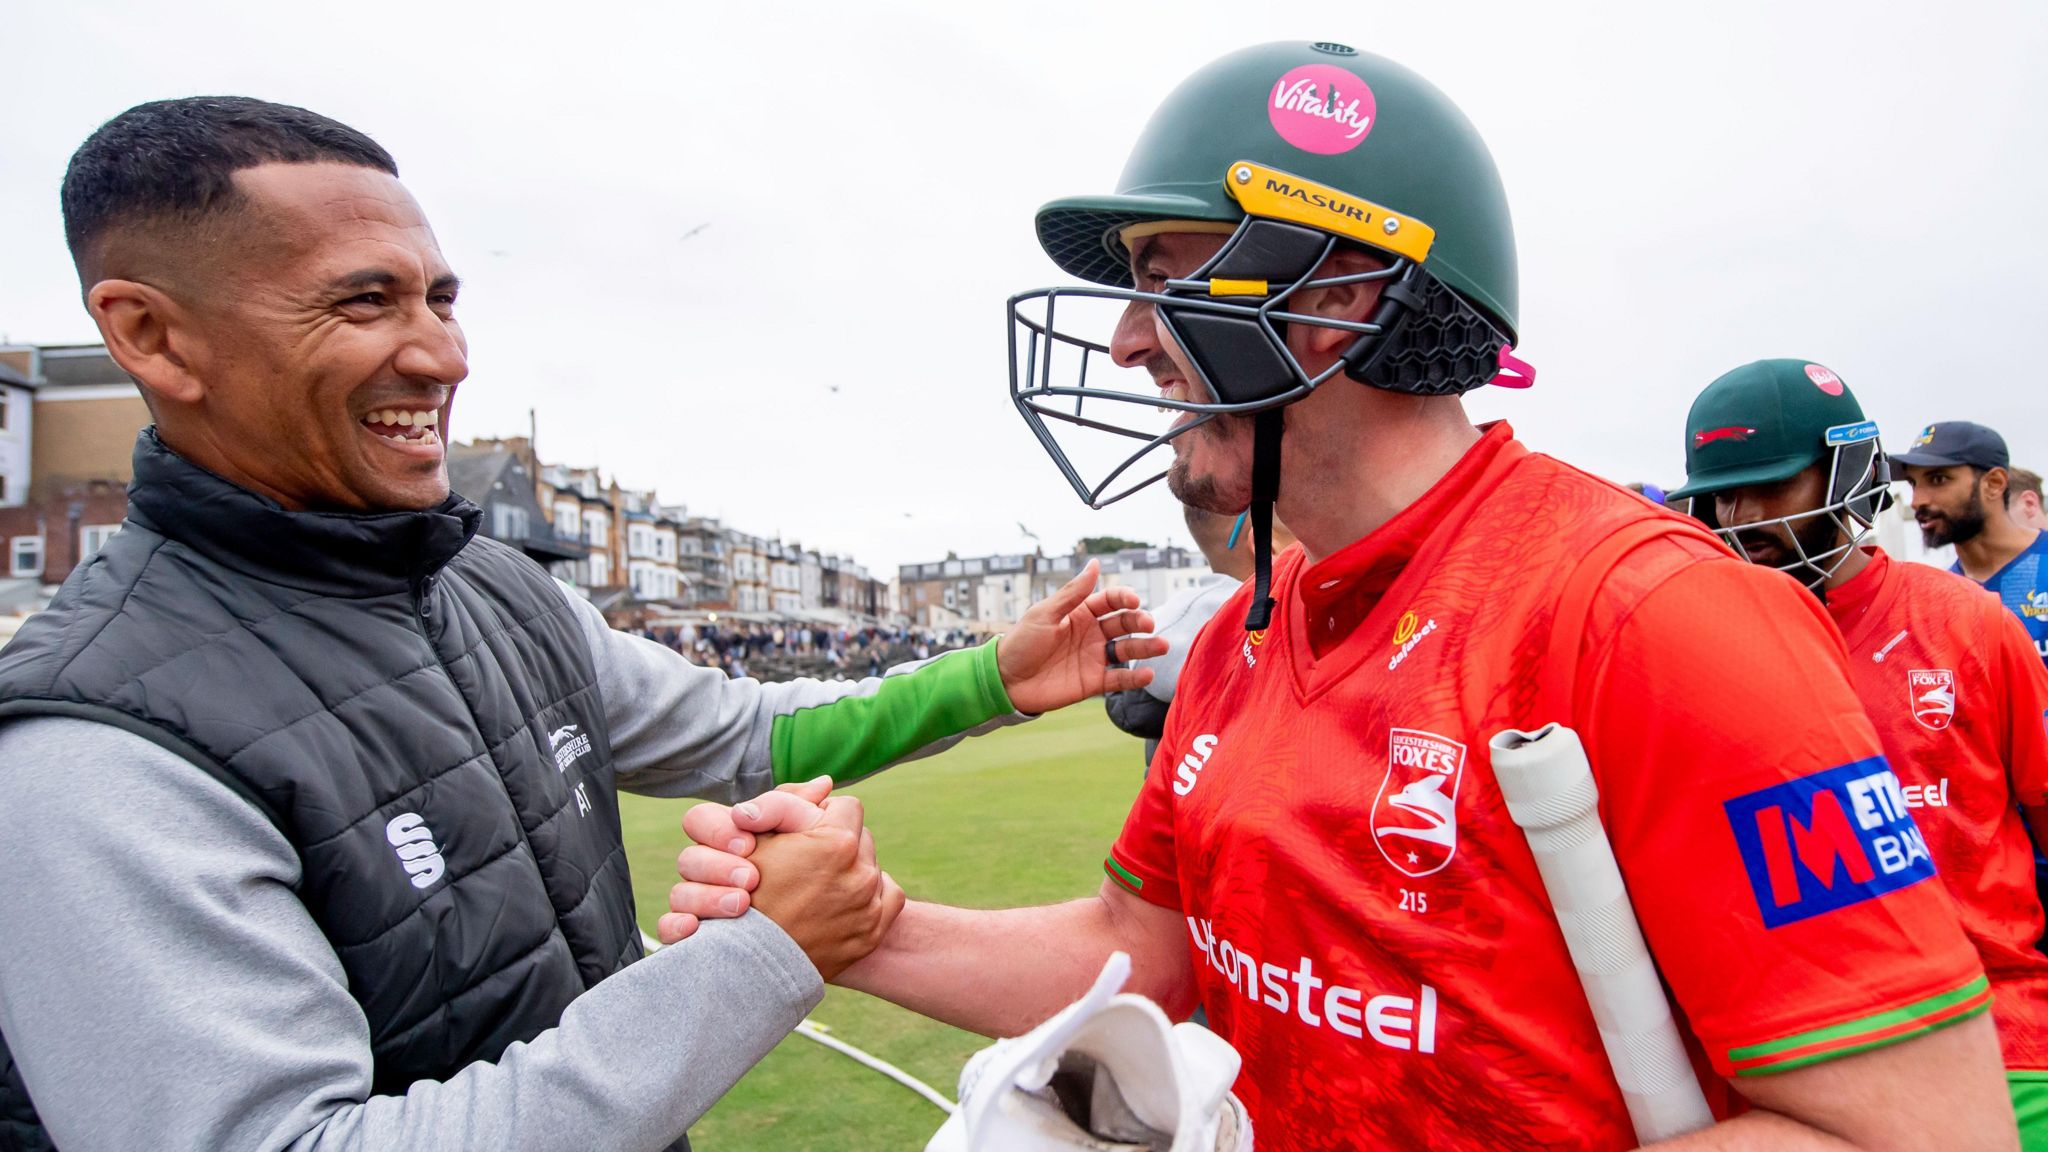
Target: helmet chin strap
<point>1266,429</point>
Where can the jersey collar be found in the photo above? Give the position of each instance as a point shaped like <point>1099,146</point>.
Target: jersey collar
<point>1851,604</point>
<point>347,554</point>
<point>1337,594</point>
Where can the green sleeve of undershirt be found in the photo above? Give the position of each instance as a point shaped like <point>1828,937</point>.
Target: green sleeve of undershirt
<point>859,735</point>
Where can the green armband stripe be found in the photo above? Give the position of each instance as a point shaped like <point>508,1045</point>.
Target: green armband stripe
<point>1122,875</point>
<point>1873,1031</point>
<point>856,736</point>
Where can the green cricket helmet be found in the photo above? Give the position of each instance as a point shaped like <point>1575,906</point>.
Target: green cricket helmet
<point>1290,150</point>
<point>1765,423</point>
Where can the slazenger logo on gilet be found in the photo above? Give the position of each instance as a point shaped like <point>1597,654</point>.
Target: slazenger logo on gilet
<point>414,842</point>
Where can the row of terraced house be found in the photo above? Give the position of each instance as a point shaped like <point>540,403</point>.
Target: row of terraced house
<point>629,550</point>
<point>989,593</point>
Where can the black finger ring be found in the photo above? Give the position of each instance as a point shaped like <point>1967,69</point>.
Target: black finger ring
<point>1109,652</point>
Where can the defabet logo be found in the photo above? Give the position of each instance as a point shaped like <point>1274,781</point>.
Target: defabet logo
<point>1404,628</point>
<point>1827,841</point>
<point>1406,636</point>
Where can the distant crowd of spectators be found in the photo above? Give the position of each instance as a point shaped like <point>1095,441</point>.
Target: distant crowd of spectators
<point>777,652</point>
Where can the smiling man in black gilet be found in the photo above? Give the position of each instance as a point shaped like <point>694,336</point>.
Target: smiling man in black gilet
<point>307,791</point>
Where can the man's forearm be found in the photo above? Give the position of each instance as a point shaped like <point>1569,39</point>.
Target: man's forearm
<point>851,729</point>
<point>1942,1089</point>
<point>1001,973</point>
<point>632,1063</point>
<point>1756,1132</point>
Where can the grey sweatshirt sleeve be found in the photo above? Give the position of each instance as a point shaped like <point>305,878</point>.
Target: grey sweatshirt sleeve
<point>1180,620</point>
<point>680,729</point>
<point>162,987</point>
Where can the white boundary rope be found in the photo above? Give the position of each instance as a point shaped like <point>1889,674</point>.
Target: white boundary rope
<point>816,1031</point>
<point>812,1030</point>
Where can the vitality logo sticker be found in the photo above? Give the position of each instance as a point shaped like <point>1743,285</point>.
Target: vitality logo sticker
<point>1827,841</point>
<point>1824,380</point>
<point>1415,815</point>
<point>1321,108</point>
<point>1933,692</point>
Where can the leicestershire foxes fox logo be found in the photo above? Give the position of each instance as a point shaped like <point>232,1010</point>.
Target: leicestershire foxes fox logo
<point>1933,692</point>
<point>1706,436</point>
<point>1415,815</point>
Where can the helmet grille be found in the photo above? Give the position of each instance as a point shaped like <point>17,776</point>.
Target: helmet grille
<point>1334,49</point>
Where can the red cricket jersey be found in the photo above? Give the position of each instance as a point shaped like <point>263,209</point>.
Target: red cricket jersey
<point>1958,695</point>
<point>1367,925</point>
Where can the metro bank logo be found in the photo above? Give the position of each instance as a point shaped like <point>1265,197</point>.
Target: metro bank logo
<point>1827,841</point>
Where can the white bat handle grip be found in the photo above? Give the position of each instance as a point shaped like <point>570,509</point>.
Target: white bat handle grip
<point>1548,784</point>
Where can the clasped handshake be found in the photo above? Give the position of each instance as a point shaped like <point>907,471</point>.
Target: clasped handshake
<point>801,856</point>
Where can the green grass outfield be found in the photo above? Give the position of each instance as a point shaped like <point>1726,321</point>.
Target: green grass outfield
<point>1022,816</point>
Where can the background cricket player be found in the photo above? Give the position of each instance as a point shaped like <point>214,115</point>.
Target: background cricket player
<point>1946,675</point>
<point>2025,504</point>
<point>1962,487</point>
<point>1311,258</point>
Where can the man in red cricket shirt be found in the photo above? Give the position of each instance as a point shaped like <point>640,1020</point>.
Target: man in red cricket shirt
<point>1781,461</point>
<point>1311,258</point>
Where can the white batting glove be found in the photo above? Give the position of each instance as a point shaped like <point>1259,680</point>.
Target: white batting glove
<point>1108,1073</point>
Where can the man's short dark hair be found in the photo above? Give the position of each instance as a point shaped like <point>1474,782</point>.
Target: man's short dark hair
<point>175,160</point>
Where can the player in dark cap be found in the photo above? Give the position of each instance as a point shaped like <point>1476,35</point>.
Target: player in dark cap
<point>1960,471</point>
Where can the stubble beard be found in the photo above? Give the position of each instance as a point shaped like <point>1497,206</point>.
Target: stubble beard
<point>1207,492</point>
<point>1819,535</point>
<point>1961,528</point>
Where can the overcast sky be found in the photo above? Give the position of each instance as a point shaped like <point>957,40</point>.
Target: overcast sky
<point>1694,186</point>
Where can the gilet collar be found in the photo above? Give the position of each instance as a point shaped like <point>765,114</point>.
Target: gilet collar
<point>326,553</point>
